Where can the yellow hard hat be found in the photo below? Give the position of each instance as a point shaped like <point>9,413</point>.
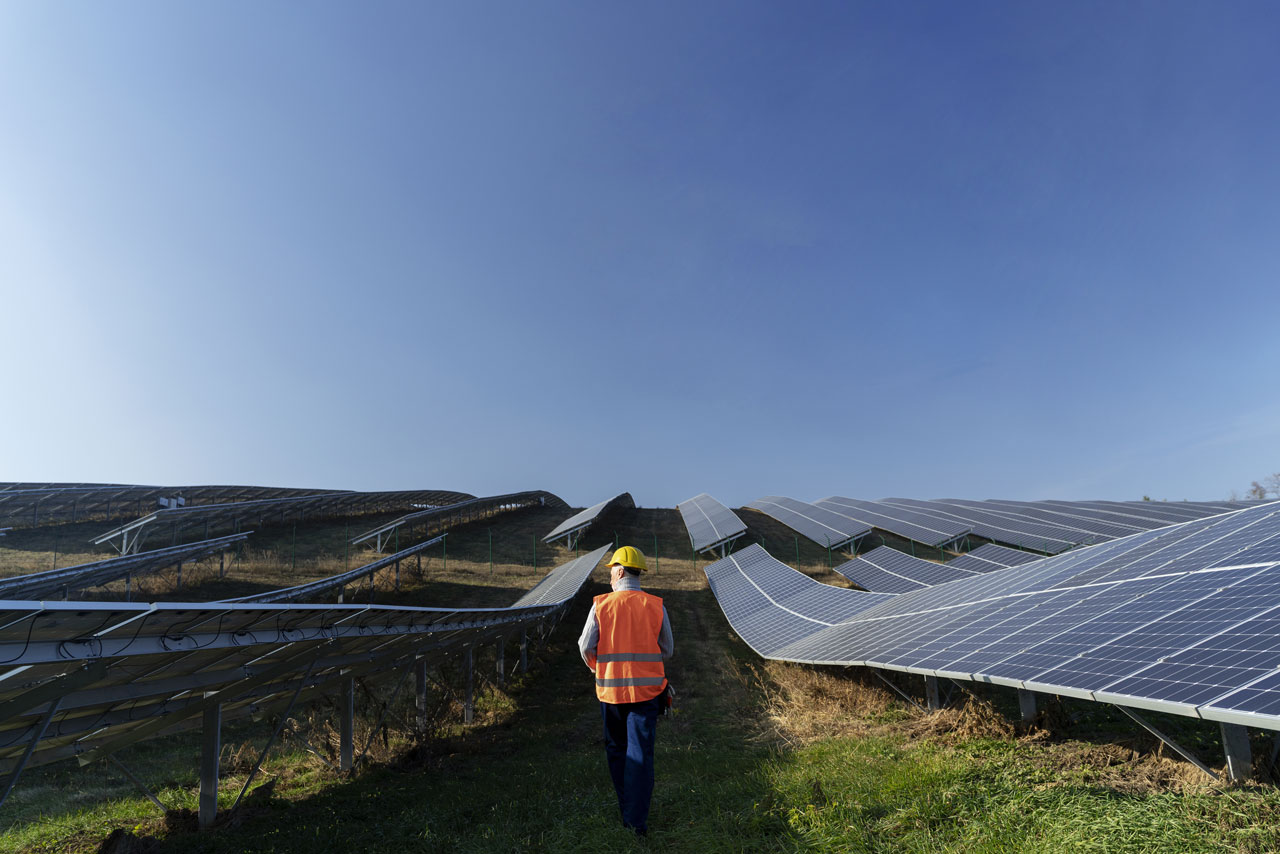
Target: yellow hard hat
<point>630,557</point>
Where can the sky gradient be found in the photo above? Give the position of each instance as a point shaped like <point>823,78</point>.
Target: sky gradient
<point>911,249</point>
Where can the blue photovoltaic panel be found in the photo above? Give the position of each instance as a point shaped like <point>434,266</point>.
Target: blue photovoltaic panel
<point>1100,528</point>
<point>1183,619</point>
<point>886,570</point>
<point>1077,531</point>
<point>1041,538</point>
<point>709,522</point>
<point>989,556</point>
<point>815,523</point>
<point>769,604</point>
<point>582,520</point>
<point>1147,510</point>
<point>1132,522</point>
<point>898,520</point>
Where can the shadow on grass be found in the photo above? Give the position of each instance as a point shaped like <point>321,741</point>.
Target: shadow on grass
<point>537,780</point>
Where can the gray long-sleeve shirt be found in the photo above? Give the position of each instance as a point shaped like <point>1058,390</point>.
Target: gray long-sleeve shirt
<point>590,637</point>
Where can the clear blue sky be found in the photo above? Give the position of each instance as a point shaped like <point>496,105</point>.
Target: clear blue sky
<point>1013,250</point>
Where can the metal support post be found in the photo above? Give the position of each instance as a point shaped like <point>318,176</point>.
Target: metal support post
<point>222,564</point>
<point>501,668</point>
<point>1182,751</point>
<point>420,692</point>
<point>1027,704</point>
<point>31,748</point>
<point>210,750</point>
<point>469,708</point>
<point>524,651</point>
<point>347,726</point>
<point>932,698</point>
<point>179,575</point>
<point>1235,744</point>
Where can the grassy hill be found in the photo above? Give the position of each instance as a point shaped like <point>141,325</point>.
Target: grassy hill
<point>760,756</point>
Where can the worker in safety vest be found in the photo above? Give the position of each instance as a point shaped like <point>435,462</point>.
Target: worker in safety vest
<point>625,641</point>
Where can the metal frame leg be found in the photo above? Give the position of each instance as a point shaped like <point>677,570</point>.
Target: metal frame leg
<point>210,752</point>
<point>932,698</point>
<point>501,668</point>
<point>420,692</point>
<point>1027,704</point>
<point>347,725</point>
<point>1235,744</point>
<point>469,707</point>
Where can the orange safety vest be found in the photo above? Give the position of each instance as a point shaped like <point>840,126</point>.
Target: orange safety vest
<point>628,660</point>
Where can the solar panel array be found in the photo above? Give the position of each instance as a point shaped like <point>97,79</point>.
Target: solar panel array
<point>314,588</point>
<point>72,579</point>
<point>989,556</point>
<point>576,525</point>
<point>34,504</point>
<point>771,606</point>
<point>85,679</point>
<point>1053,527</point>
<point>178,519</point>
<point>438,519</point>
<point>1182,619</point>
<point>902,521</point>
<point>818,524</point>
<point>886,570</point>
<point>710,524</point>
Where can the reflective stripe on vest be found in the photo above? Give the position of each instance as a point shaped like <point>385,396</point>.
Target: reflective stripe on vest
<point>628,660</point>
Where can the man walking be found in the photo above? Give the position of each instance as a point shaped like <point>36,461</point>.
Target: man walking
<point>625,641</point>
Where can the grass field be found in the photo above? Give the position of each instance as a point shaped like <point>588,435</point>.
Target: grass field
<point>760,756</point>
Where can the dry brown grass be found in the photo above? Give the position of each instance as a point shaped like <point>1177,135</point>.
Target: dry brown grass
<point>810,704</point>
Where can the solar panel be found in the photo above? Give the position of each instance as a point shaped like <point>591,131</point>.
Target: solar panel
<point>101,675</point>
<point>70,579</point>
<point>31,505</point>
<point>576,525</point>
<point>1183,619</point>
<point>131,535</point>
<point>770,605</point>
<point>886,570</point>
<point>929,530</point>
<point>1079,510</point>
<point>710,524</point>
<point>314,588</point>
<point>1092,529</point>
<point>818,524</point>
<point>564,582</point>
<point>989,556</point>
<point>1049,539</point>
<point>437,519</point>
<point>1078,531</point>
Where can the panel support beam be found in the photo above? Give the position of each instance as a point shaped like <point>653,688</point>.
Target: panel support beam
<point>501,664</point>
<point>904,695</point>
<point>210,750</point>
<point>420,692</point>
<point>469,707</point>
<point>1235,744</point>
<point>1027,704</point>
<point>1181,751</point>
<point>347,725</point>
<point>932,698</point>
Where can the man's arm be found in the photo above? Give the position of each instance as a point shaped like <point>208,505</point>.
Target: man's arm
<point>589,639</point>
<point>666,645</point>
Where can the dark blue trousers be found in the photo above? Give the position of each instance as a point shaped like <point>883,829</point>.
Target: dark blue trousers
<point>629,730</point>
